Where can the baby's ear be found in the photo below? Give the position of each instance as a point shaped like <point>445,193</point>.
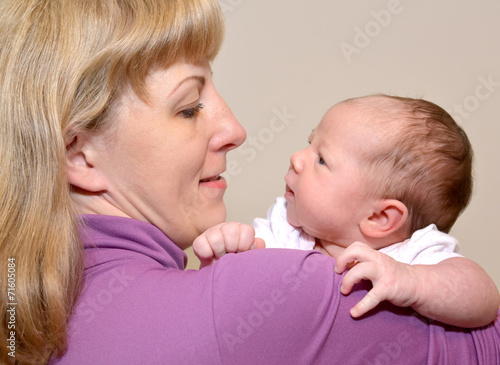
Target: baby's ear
<point>80,170</point>
<point>387,217</point>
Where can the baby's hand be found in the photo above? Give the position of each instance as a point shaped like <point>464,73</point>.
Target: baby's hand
<point>224,238</point>
<point>391,280</point>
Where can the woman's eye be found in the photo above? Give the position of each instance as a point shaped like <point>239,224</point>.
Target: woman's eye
<point>192,112</point>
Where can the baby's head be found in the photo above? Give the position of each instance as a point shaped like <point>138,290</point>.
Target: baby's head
<point>423,159</point>
<point>379,158</point>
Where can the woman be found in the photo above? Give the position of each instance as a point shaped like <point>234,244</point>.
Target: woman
<point>109,114</point>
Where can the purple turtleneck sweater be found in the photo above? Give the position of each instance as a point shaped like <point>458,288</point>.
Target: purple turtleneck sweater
<point>273,306</point>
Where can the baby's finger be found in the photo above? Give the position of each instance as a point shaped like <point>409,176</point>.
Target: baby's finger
<point>259,243</point>
<point>203,251</point>
<point>349,255</point>
<point>216,242</point>
<point>231,235</point>
<point>369,301</point>
<point>247,236</point>
<point>362,271</point>
<point>202,248</point>
<point>356,252</point>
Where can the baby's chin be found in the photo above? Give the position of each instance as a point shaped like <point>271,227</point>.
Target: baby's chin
<point>297,223</point>
<point>303,228</point>
<point>292,221</point>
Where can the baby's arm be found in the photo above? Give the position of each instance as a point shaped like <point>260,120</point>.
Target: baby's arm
<point>227,237</point>
<point>455,291</point>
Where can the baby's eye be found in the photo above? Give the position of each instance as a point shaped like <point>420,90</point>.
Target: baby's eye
<point>192,112</point>
<point>321,161</point>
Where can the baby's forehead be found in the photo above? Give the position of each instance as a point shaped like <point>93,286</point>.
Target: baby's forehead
<point>349,118</point>
<point>375,114</point>
<point>359,127</point>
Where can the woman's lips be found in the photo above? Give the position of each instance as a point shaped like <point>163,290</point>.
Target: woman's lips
<point>213,178</point>
<point>216,182</point>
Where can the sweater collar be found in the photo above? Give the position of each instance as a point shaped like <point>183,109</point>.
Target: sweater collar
<point>102,232</point>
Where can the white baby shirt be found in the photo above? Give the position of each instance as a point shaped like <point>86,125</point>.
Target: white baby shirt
<point>425,247</point>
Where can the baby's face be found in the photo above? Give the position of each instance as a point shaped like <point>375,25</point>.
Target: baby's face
<point>326,190</point>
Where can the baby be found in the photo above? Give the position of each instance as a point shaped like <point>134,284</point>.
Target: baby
<point>379,169</point>
<point>382,179</point>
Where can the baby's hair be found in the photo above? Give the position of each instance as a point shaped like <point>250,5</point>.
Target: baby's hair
<point>424,160</point>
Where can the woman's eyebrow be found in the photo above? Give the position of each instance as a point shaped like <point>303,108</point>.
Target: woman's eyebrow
<point>201,79</point>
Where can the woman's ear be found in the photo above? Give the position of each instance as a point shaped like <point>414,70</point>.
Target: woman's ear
<point>388,216</point>
<point>80,170</point>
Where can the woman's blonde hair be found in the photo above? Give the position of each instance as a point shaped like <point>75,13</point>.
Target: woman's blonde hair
<point>62,65</point>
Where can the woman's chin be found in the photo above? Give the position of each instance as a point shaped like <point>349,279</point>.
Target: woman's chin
<point>215,215</point>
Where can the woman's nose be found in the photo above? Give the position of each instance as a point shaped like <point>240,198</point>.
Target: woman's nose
<point>296,162</point>
<point>231,133</point>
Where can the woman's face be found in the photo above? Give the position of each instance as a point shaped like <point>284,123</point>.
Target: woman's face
<point>163,157</point>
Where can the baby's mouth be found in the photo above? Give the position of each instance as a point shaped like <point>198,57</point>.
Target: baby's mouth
<point>289,194</point>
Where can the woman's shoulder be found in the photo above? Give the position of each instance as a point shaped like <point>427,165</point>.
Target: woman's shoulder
<point>260,306</point>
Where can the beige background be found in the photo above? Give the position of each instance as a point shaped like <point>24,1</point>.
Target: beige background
<point>284,62</point>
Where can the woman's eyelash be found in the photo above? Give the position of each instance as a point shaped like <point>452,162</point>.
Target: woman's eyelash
<point>192,112</point>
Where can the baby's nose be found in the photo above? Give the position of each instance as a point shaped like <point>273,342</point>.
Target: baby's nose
<point>296,162</point>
